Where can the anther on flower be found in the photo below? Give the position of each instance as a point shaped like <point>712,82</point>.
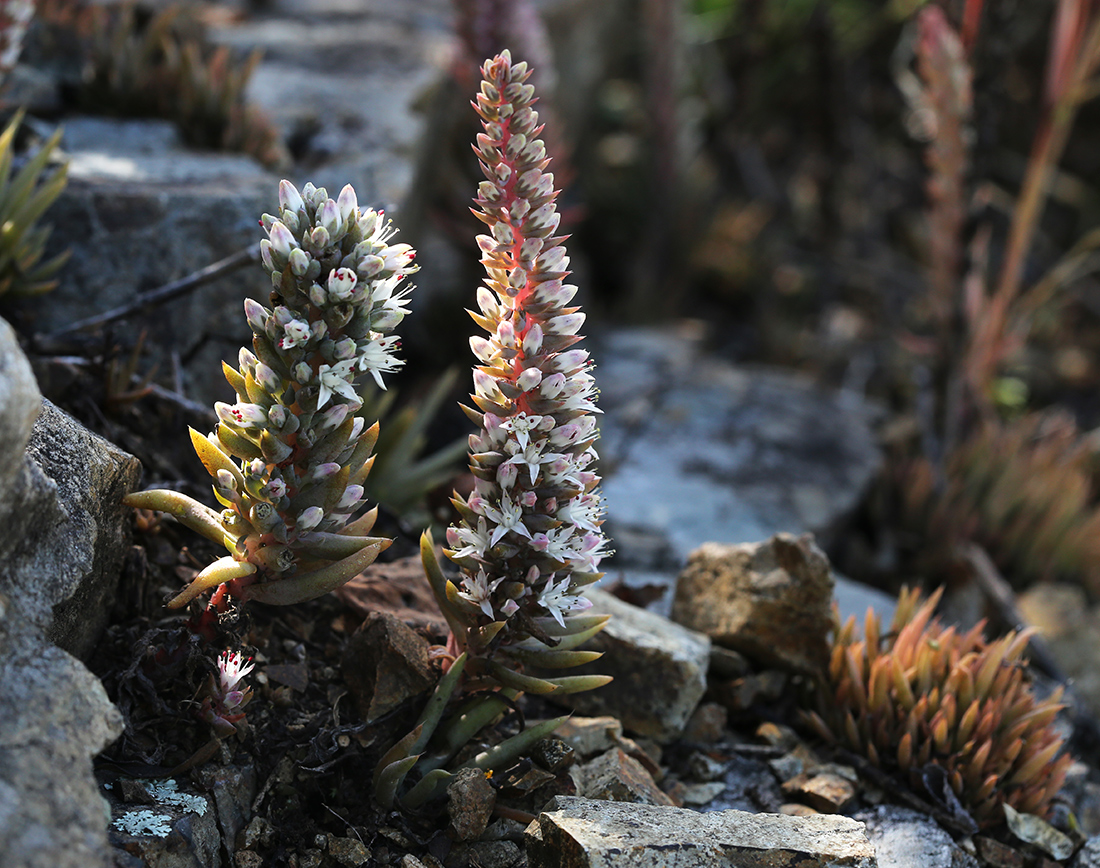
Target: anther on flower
<point>290,456</point>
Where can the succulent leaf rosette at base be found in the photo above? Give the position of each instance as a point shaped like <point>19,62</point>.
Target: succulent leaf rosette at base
<point>290,456</point>
<point>529,537</point>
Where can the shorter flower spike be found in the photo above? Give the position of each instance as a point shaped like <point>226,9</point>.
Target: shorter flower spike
<point>290,455</point>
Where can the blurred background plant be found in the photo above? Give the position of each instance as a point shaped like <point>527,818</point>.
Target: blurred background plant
<point>950,711</point>
<point>137,62</point>
<point>26,192</point>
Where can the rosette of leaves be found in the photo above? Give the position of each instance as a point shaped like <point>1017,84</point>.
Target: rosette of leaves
<point>924,695</point>
<point>290,457</point>
<point>529,538</point>
<point>24,198</point>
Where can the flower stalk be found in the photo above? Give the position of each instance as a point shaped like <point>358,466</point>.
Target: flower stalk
<point>290,456</point>
<point>528,540</point>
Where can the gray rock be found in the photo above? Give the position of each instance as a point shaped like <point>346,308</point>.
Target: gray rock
<point>904,838</point>
<point>771,600</point>
<point>1089,855</point>
<point>233,788</point>
<point>698,450</point>
<point>616,777</point>
<point>140,211</point>
<point>61,539</point>
<point>660,670</point>
<point>574,832</point>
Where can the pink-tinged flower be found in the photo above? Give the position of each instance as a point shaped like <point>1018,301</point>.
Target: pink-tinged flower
<point>478,590</point>
<point>295,333</point>
<point>231,669</point>
<point>508,518</point>
<point>522,424</point>
<point>475,542</point>
<point>557,600</point>
<point>275,489</point>
<point>336,380</point>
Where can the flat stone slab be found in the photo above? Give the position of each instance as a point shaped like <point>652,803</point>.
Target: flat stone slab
<point>579,833</point>
<point>696,449</point>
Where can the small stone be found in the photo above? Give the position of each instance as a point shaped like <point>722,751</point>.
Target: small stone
<point>553,754</point>
<point>349,852</point>
<point>769,600</point>
<point>651,761</point>
<point>248,859</point>
<point>727,663</point>
<point>470,804</point>
<point>495,854</point>
<point>617,777</point>
<point>589,736</point>
<point>1089,854</point>
<point>659,670</point>
<point>504,829</point>
<point>998,855</point>
<point>310,858</point>
<point>258,831</point>
<point>698,795</point>
<point>134,793</point>
<point>385,664</point>
<point>797,809</point>
<point>705,767</point>
<point>794,762</point>
<point>707,724</point>
<point>827,792</point>
<point>741,694</point>
<point>777,735</point>
<point>410,861</point>
<point>579,833</point>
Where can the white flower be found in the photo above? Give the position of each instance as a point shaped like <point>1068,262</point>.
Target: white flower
<point>556,599</point>
<point>242,415</point>
<point>342,283</point>
<point>583,511</point>
<point>295,332</point>
<point>231,669</point>
<point>532,457</point>
<point>556,543</point>
<point>508,518</point>
<point>309,519</point>
<point>478,591</point>
<point>336,379</point>
<point>521,425</point>
<point>476,541</point>
<point>592,551</point>
<point>376,358</point>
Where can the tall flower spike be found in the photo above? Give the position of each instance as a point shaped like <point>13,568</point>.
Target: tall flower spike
<point>529,539</point>
<point>290,456</point>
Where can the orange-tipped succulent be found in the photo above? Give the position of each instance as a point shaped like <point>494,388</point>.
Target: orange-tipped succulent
<point>926,695</point>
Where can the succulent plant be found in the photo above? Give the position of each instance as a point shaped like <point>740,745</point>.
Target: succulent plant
<point>24,198</point>
<point>289,458</point>
<point>529,538</point>
<point>925,695</point>
<point>163,67</point>
<point>226,697</point>
<point>1023,490</point>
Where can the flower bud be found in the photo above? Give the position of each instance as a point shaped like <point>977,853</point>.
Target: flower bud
<point>226,480</point>
<point>299,262</point>
<point>256,315</point>
<point>369,266</point>
<point>351,498</point>
<point>319,237</point>
<point>309,519</point>
<point>347,204</point>
<point>529,379</point>
<point>368,223</point>
<point>276,416</point>
<point>302,372</point>
<point>289,197</point>
<point>317,295</point>
<point>282,242</point>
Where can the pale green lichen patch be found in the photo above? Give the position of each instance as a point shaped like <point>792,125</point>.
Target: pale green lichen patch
<point>144,823</point>
<point>167,792</point>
